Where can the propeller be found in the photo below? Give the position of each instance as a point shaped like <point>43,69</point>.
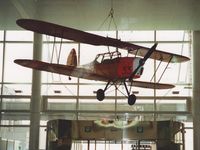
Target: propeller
<point>142,61</point>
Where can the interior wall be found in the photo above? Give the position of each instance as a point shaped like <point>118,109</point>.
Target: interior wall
<point>90,14</point>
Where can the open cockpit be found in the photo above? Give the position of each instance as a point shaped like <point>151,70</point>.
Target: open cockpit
<point>103,57</point>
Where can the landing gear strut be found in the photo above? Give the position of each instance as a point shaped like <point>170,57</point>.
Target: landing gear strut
<point>131,98</point>
<point>101,94</point>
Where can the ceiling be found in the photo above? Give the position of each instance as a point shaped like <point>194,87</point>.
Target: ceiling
<point>91,14</point>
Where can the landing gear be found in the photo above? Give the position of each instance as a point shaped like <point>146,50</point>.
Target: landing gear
<point>100,94</point>
<point>131,99</point>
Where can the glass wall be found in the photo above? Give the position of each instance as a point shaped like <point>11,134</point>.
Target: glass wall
<point>66,97</point>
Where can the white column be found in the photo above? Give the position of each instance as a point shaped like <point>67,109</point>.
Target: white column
<point>35,96</point>
<point>196,89</point>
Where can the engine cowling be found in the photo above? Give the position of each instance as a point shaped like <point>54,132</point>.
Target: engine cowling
<point>72,58</point>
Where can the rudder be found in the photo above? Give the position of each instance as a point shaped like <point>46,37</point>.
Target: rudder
<point>72,58</point>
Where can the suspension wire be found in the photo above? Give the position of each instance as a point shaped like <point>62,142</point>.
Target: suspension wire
<point>48,49</point>
<point>179,70</point>
<point>58,54</point>
<point>111,16</point>
<point>112,20</point>
<point>61,41</point>
<point>57,57</point>
<point>50,57</point>
<point>53,49</point>
<point>104,22</point>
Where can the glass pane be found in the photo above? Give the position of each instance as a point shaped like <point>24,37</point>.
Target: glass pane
<point>48,52</point>
<point>18,135</point>
<point>61,104</point>
<point>88,52</point>
<point>177,48</point>
<point>94,104</point>
<point>172,35</point>
<point>1,35</point>
<point>136,35</point>
<point>16,104</point>
<point>189,134</point>
<point>14,72</point>
<point>111,34</point>
<point>90,90</point>
<point>17,89</point>
<point>43,134</point>
<point>47,38</point>
<point>19,36</point>
<point>1,60</point>
<point>140,105</point>
<point>171,105</point>
<point>59,89</point>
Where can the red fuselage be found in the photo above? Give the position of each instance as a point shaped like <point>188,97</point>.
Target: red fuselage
<point>117,68</point>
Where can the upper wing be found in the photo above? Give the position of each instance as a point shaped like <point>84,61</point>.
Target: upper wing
<point>88,38</point>
<point>60,69</point>
<point>152,85</point>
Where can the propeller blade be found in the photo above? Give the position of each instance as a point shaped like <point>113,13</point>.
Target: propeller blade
<point>150,52</point>
<point>142,61</point>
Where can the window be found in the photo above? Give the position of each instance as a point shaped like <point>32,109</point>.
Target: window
<point>19,35</point>
<point>61,93</point>
<point>17,51</point>
<point>1,35</point>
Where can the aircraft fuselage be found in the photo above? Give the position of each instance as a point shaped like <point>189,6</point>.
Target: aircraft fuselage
<point>117,68</point>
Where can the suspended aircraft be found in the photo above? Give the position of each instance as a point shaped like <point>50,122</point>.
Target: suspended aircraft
<point>110,67</point>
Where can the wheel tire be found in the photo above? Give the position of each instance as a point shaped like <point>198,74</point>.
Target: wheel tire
<point>131,99</point>
<point>100,94</point>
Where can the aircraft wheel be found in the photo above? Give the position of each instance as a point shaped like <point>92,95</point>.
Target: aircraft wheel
<point>100,94</point>
<point>131,99</point>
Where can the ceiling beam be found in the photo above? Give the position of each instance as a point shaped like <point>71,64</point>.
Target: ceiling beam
<point>20,8</point>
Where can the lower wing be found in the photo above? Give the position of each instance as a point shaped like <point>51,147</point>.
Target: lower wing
<point>68,70</point>
<point>152,85</point>
<point>81,72</point>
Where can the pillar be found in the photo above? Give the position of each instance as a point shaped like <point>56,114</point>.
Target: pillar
<point>196,90</point>
<point>35,96</point>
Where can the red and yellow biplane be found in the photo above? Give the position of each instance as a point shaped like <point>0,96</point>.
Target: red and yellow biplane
<point>109,67</point>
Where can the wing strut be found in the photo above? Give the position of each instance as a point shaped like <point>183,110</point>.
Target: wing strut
<point>163,70</point>
<point>156,70</point>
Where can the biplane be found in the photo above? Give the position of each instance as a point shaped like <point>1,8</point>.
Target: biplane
<point>109,67</point>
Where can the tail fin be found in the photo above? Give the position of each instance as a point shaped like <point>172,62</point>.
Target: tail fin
<point>72,58</point>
